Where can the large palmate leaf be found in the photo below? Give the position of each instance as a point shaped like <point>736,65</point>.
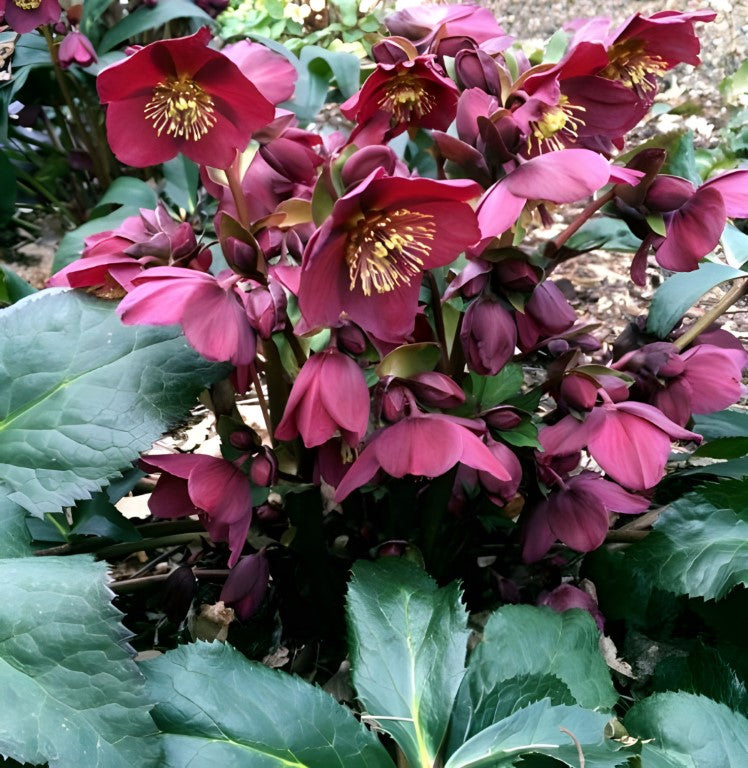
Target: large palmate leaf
<point>81,395</point>
<point>560,732</point>
<point>215,708</point>
<point>408,643</point>
<point>689,731</point>
<point>70,694</point>
<point>506,671</point>
<point>699,545</point>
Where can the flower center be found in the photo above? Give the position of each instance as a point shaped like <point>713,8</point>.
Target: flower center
<point>181,108</point>
<point>633,66</point>
<point>406,99</point>
<point>387,249</point>
<point>27,5</point>
<point>556,119</point>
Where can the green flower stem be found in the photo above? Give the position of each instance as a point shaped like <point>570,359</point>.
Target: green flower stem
<point>736,292</point>
<point>441,334</point>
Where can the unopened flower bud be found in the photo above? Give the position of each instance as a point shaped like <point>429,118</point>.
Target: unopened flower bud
<point>247,584</point>
<point>488,336</point>
<point>395,402</point>
<point>266,309</point>
<point>516,275</point>
<point>180,589</point>
<point>351,339</point>
<point>502,417</point>
<point>264,470</point>
<point>76,48</point>
<point>437,390</point>
<point>360,164</point>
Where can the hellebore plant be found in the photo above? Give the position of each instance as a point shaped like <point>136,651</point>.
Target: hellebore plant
<point>391,363</point>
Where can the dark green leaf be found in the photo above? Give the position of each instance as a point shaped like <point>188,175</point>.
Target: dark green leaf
<point>71,694</point>
<point>702,671</point>
<point>15,540</point>
<point>129,191</point>
<point>99,517</point>
<point>732,422</point>
<point>736,469</point>
<point>541,728</point>
<point>681,160</point>
<point>215,708</point>
<point>679,292</point>
<point>489,391</point>
<point>409,359</point>
<point>318,67</point>
<point>724,448</point>
<point>144,18</point>
<point>12,287</point>
<point>699,544</point>
<point>181,177</point>
<point>9,189</point>
<point>608,233</point>
<point>81,395</point>
<point>690,730</point>
<point>407,643</point>
<point>562,662</point>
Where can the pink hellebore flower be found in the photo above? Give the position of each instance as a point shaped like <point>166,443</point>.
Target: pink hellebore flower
<point>565,176</point>
<point>246,585</point>
<point>26,15</point>
<point>76,48</point>
<point>411,93</point>
<point>365,262</point>
<point>213,488</point>
<point>565,597</point>
<point>271,73</point>
<point>329,394</point>
<point>694,219</point>
<point>179,95</point>
<point>576,513</point>
<point>630,441</point>
<point>426,444</point>
<point>488,336</point>
<point>211,310</point>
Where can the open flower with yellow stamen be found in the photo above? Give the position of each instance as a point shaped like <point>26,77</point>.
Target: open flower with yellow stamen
<point>365,262</point>
<point>180,96</point>
<point>26,15</point>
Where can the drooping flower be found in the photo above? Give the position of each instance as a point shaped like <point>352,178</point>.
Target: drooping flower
<point>425,444</point>
<point>328,395</point>
<point>180,96</point>
<point>213,488</point>
<point>76,48</point>
<point>577,513</point>
<point>211,310</point>
<point>246,585</point>
<point>566,597</point>
<point>365,262</point>
<point>26,15</point>
<point>629,440</point>
<point>271,73</point>
<point>488,336</point>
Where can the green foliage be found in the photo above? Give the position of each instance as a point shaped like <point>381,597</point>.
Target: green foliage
<point>608,233</point>
<point>560,732</point>
<point>130,192</point>
<point>407,644</point>
<point>82,395</point>
<point>12,287</point>
<point>689,731</point>
<point>214,707</point>
<point>562,663</point>
<point>699,544</point>
<point>732,422</point>
<point>318,69</point>
<point>143,19</point>
<point>71,694</point>
<point>181,177</point>
<point>680,291</point>
<point>14,536</point>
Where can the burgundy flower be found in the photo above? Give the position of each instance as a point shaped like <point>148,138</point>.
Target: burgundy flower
<point>329,394</point>
<point>565,597</point>
<point>271,73</point>
<point>26,15</point>
<point>630,441</point>
<point>76,48</point>
<point>180,96</point>
<point>488,336</point>
<point>111,259</point>
<point>366,260</point>
<point>411,93</point>
<point>210,309</point>
<point>213,488</point>
<point>577,513</point>
<point>546,313</point>
<point>246,585</point>
<point>426,444</point>
<point>694,219</point>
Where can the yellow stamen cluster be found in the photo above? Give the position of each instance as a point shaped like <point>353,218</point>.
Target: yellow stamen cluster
<point>27,5</point>
<point>632,66</point>
<point>554,120</point>
<point>407,99</point>
<point>387,249</point>
<point>181,108</point>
